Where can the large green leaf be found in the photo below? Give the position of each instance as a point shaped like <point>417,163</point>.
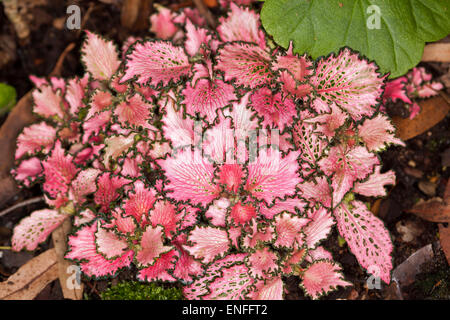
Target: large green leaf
<point>319,27</point>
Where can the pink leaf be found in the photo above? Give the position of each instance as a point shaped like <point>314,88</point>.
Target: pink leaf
<point>347,165</point>
<point>100,57</point>
<point>242,213</point>
<point>329,123</point>
<point>186,267</point>
<point>322,277</point>
<point>139,201</point>
<point>367,238</point>
<point>207,98</point>
<point>196,37</point>
<point>268,289</point>
<point>262,262</point>
<point>248,64</point>
<point>374,186</point>
<point>349,81</point>
<point>47,103</point>
<point>159,270</point>
<point>162,23</point>
<point>152,246</point>
<point>232,285</point>
<point>191,178</point>
<point>134,112</point>
<point>107,190</point>
<point>208,243</point>
<point>395,89</point>
<point>83,184</point>
<point>165,214</point>
<point>230,176</point>
<point>35,228</point>
<point>318,228</point>
<point>378,132</point>
<point>35,138</point>
<point>109,244</point>
<point>288,229</point>
<point>242,24</point>
<point>217,212</point>
<point>288,205</point>
<point>275,111</point>
<point>59,170</point>
<point>100,100</point>
<point>319,192</point>
<point>270,176</point>
<point>156,62</point>
<point>27,171</point>
<point>82,248</point>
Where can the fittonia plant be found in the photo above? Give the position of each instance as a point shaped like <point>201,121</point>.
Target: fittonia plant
<point>215,159</point>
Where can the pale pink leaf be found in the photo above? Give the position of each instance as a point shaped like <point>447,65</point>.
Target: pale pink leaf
<point>109,244</point>
<point>367,238</point>
<point>160,269</point>
<point>35,228</point>
<point>378,132</point>
<point>319,227</point>
<point>268,289</point>
<point>140,201</point>
<point>288,229</point>
<point>262,262</point>
<point>322,277</point>
<point>37,137</point>
<point>152,246</point>
<point>207,243</point>
<point>374,186</point>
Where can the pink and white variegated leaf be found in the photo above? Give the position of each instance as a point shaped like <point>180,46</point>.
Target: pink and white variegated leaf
<point>258,234</point>
<point>162,23</point>
<point>367,238</point>
<point>75,93</point>
<point>35,228</point>
<point>378,132</point>
<point>190,217</point>
<point>191,178</point>
<point>293,259</point>
<point>242,24</point>
<point>242,213</point>
<point>268,289</point>
<point>218,142</point>
<point>291,87</point>
<point>244,120</point>
<point>177,129</point>
<point>152,246</point>
<point>100,100</point>
<point>116,145</point>
<point>217,212</point>
<point>275,111</point>
<point>395,89</point>
<point>271,176</point>
<point>199,288</point>
<point>262,262</point>
<point>207,98</point>
<point>207,243</point>
<point>319,253</point>
<point>319,227</point>
<point>316,192</point>
<point>109,244</point>
<point>247,64</point>
<point>196,38</point>
<point>328,123</point>
<point>285,205</point>
<point>84,184</point>
<point>347,166</point>
<point>27,171</point>
<point>84,217</point>
<point>349,81</point>
<point>288,229</point>
<point>99,56</point>
<point>160,269</point>
<point>299,67</point>
<point>374,186</point>
<point>59,170</point>
<point>186,267</point>
<point>48,103</point>
<point>156,62</point>
<point>165,214</point>
<point>233,284</point>
<point>82,248</point>
<point>139,201</point>
<point>107,190</point>
<point>95,124</point>
<point>321,277</point>
<point>37,137</point>
<point>311,143</point>
<point>135,112</point>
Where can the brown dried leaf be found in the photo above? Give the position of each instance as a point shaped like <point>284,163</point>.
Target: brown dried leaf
<point>31,278</point>
<point>433,111</point>
<point>435,209</point>
<point>444,238</point>
<point>438,52</point>
<point>59,236</point>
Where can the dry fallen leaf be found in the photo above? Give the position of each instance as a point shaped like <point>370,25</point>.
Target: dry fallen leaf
<point>210,3</point>
<point>31,278</point>
<point>435,209</point>
<point>444,238</point>
<point>433,111</point>
<point>59,236</point>
<point>438,52</point>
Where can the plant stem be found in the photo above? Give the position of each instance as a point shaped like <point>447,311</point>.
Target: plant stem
<point>21,204</point>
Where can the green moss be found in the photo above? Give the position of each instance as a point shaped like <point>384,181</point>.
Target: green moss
<point>435,284</point>
<point>133,290</point>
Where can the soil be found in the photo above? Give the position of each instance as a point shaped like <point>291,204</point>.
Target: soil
<point>419,163</point>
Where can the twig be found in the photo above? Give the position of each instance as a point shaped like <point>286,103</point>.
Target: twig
<point>58,66</point>
<point>5,248</point>
<point>22,204</point>
<point>206,13</point>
